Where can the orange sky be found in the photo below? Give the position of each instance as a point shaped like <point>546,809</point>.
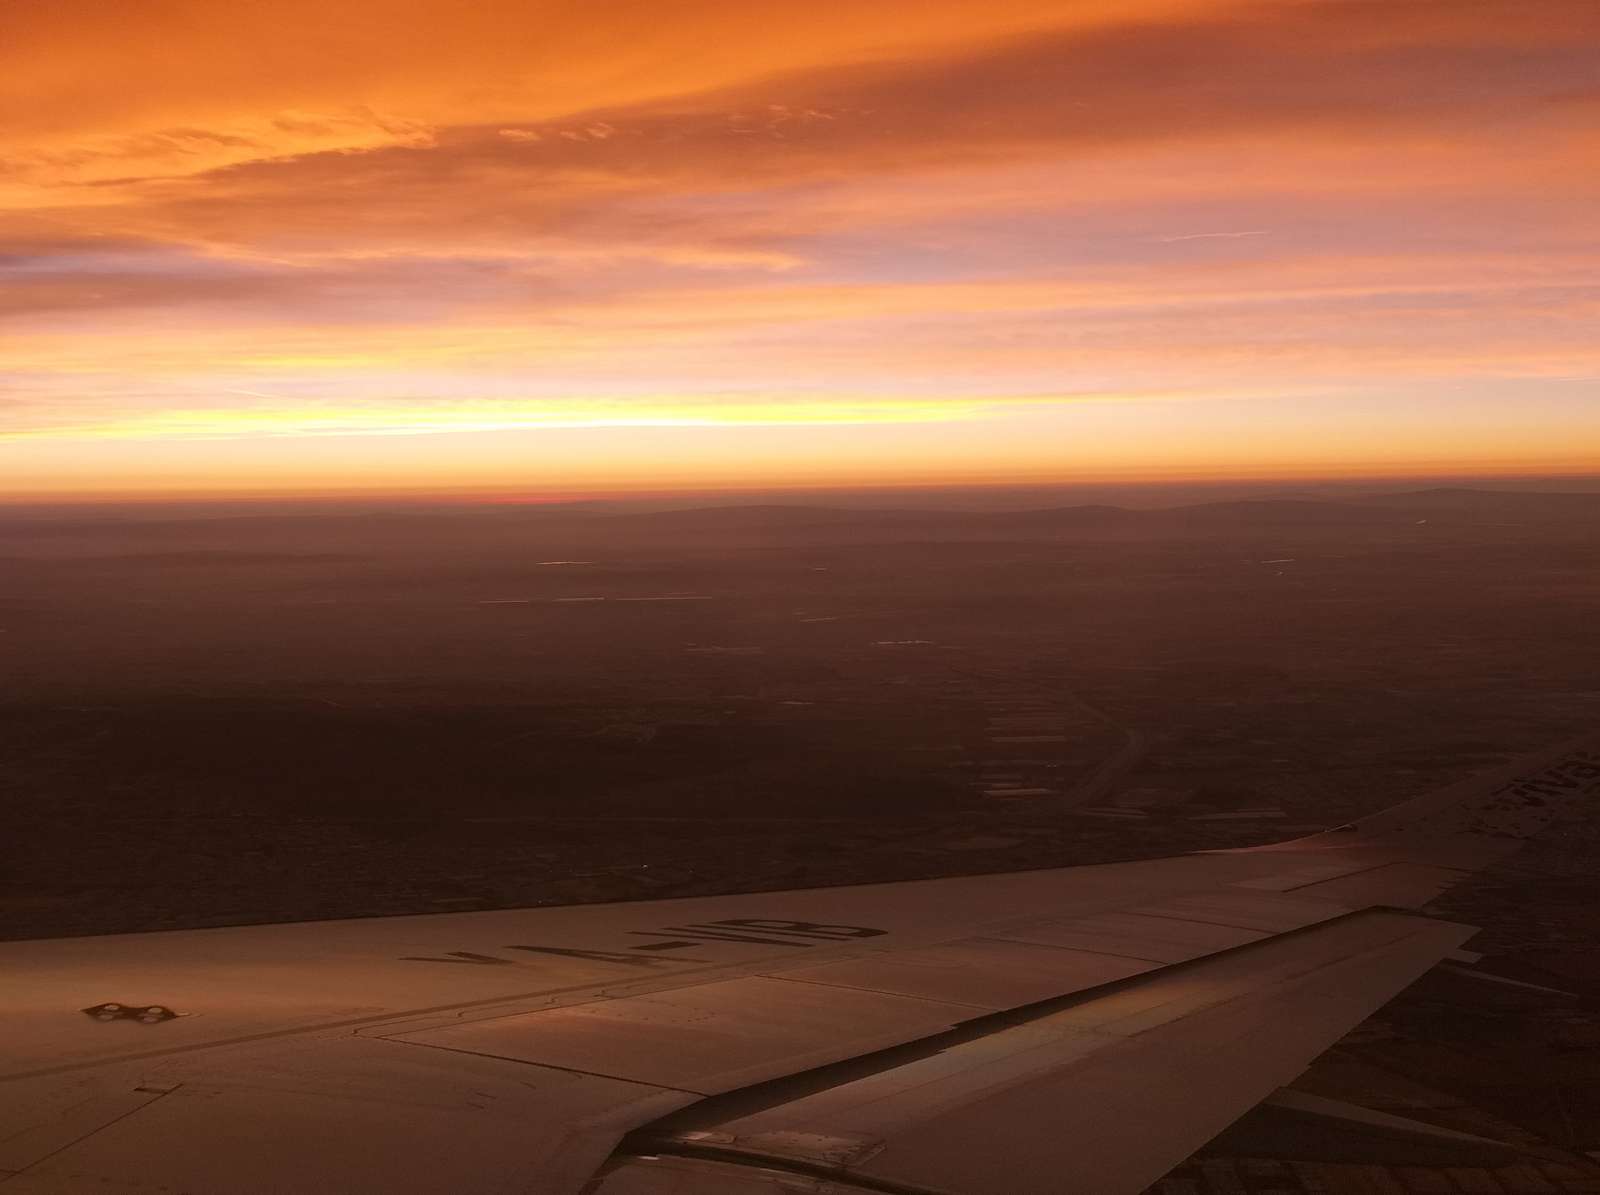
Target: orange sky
<point>285,246</point>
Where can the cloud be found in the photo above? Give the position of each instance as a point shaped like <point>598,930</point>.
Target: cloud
<point>1211,236</point>
<point>400,416</point>
<point>756,176</point>
<point>131,158</point>
<point>522,203</point>
<point>286,74</point>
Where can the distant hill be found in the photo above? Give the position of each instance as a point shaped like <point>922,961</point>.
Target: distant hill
<point>772,514</point>
<point>844,525</point>
<point>1285,512</point>
<point>580,531</point>
<point>1065,517</point>
<point>1556,504</point>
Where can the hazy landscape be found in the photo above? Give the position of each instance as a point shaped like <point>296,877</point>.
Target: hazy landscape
<point>235,718</point>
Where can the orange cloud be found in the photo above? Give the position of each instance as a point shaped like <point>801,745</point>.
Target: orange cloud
<point>177,86</point>
<point>432,217</point>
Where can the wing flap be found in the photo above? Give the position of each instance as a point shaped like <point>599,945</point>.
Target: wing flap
<point>1105,1094</point>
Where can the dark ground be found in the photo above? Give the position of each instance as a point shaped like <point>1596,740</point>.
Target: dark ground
<point>212,721</point>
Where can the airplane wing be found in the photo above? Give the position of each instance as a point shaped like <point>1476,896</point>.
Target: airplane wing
<point>1076,1029</point>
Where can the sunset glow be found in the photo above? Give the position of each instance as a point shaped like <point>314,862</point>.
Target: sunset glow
<point>612,245</point>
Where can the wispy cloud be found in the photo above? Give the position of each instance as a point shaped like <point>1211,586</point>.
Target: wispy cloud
<point>1212,236</point>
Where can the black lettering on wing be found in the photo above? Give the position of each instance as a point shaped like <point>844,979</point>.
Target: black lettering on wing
<point>607,956</point>
<point>711,935</point>
<point>805,929</point>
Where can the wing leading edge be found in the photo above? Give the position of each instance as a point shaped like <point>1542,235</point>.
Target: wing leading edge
<point>1076,1029</point>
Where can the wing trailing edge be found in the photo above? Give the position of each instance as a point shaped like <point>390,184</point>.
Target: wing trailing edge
<point>1102,1092</point>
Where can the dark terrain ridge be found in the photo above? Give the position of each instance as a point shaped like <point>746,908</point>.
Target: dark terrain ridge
<point>1455,506</point>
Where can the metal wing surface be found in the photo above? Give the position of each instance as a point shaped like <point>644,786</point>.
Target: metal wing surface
<point>1077,1029</point>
